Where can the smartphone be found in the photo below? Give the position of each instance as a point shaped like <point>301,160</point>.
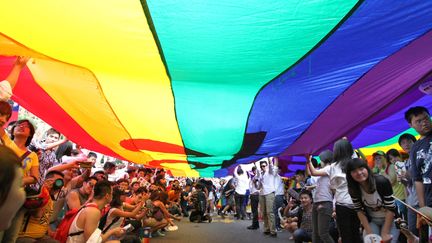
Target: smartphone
<point>128,228</point>
<point>85,165</point>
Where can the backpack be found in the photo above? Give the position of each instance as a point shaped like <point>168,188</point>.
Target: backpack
<point>63,228</point>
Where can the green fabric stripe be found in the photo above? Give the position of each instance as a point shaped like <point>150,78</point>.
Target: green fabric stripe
<point>221,53</point>
<point>393,140</point>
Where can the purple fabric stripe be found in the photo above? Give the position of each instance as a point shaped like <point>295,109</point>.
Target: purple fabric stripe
<point>369,96</point>
<point>390,126</point>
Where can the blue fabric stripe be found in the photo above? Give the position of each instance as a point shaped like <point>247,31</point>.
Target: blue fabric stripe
<point>288,105</point>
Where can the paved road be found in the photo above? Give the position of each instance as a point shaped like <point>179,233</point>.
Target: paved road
<point>220,231</point>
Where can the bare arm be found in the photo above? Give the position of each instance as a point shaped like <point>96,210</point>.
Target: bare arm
<point>73,200</point>
<point>55,144</point>
<point>420,193</point>
<point>13,76</point>
<point>365,222</point>
<point>385,230</point>
<point>312,169</point>
<point>34,176</point>
<point>62,167</point>
<point>91,222</point>
<point>125,214</point>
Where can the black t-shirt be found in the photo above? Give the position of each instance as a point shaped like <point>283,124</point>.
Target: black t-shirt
<point>421,170</point>
<point>207,184</point>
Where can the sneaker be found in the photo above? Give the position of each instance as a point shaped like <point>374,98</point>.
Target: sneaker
<point>273,234</point>
<point>252,227</point>
<point>266,232</point>
<point>159,233</point>
<point>278,230</point>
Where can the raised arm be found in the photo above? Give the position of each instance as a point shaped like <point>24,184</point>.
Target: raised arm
<point>55,144</point>
<point>19,64</point>
<point>125,214</point>
<point>312,169</point>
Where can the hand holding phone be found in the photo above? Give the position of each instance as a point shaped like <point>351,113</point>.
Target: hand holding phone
<point>128,228</point>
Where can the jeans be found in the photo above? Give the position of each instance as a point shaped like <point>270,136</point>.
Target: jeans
<point>376,225</point>
<point>266,207</point>
<point>300,235</point>
<point>348,224</point>
<point>412,220</point>
<point>278,202</point>
<point>10,235</point>
<point>254,198</point>
<point>321,219</point>
<point>240,207</point>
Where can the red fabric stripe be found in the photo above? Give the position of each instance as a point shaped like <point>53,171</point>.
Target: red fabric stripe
<point>33,98</point>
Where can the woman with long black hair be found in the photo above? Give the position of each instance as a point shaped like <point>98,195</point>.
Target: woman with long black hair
<point>373,200</point>
<point>346,218</point>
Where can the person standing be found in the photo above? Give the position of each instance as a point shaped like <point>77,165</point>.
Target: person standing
<point>323,203</point>
<point>242,184</point>
<point>347,221</point>
<point>268,173</point>
<point>421,156</point>
<point>406,141</point>
<point>254,198</point>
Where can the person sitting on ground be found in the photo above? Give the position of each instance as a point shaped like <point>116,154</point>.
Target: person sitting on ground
<point>134,187</point>
<point>78,197</point>
<point>12,195</point>
<point>35,226</point>
<point>174,199</point>
<point>116,214</point>
<point>199,202</point>
<point>109,169</point>
<point>123,185</point>
<point>47,147</point>
<point>161,182</point>
<point>304,231</point>
<point>73,179</point>
<point>184,199</point>
<point>290,218</point>
<point>157,216</point>
<point>85,224</point>
<point>100,175</point>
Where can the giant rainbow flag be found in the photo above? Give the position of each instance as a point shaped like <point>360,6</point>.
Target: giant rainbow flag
<point>198,87</point>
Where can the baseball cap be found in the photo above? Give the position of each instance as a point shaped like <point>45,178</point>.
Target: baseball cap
<point>379,152</point>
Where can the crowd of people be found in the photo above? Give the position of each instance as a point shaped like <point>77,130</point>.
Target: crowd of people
<point>51,191</point>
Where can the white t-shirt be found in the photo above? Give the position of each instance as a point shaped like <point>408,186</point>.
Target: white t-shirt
<point>268,180</point>
<point>242,184</point>
<point>339,183</point>
<point>279,186</point>
<point>5,90</point>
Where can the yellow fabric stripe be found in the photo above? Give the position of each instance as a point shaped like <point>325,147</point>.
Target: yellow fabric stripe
<point>112,39</point>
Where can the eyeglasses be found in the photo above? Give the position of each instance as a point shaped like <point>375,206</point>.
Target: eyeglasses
<point>23,125</point>
<point>421,120</point>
